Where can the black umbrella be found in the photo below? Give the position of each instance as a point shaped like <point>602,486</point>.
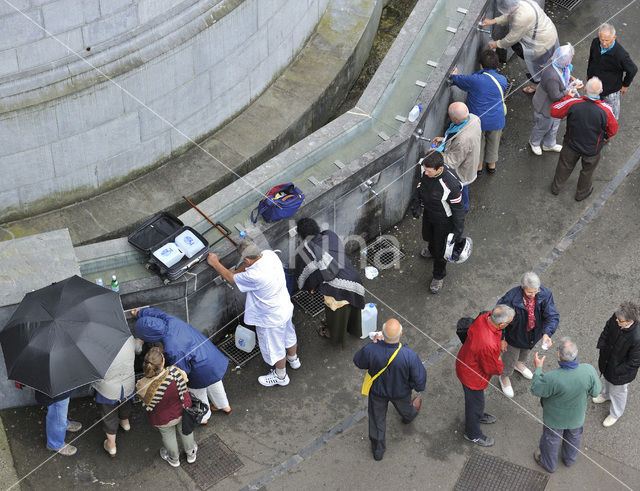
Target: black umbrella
<point>64,336</point>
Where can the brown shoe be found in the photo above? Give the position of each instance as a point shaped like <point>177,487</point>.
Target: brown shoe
<point>417,403</point>
<point>66,450</point>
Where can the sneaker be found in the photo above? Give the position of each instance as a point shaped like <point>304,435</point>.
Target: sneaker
<point>125,426</point>
<point>74,426</point>
<point>191,457</point>
<point>488,419</point>
<point>526,373</point>
<point>535,149</point>
<point>165,456</point>
<point>66,450</point>
<point>435,286</point>
<point>111,451</point>
<point>609,421</point>
<point>424,252</point>
<point>271,379</point>
<point>506,389</point>
<point>483,441</point>
<point>600,399</point>
<point>556,148</point>
<point>294,363</point>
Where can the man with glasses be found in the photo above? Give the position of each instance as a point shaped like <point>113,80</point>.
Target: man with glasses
<point>536,318</point>
<point>619,346</point>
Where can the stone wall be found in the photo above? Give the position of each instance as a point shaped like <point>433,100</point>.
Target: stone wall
<point>176,74</point>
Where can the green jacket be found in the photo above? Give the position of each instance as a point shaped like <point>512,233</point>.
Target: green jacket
<point>563,394</point>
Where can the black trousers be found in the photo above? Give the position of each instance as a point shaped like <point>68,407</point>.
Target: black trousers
<point>378,419</point>
<point>567,161</point>
<point>436,234</point>
<point>473,412</point>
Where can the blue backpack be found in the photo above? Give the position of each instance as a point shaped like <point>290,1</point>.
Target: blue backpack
<point>281,202</point>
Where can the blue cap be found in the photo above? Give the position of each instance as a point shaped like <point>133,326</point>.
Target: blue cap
<point>372,305</point>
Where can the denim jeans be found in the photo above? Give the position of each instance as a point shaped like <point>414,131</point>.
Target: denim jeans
<point>56,423</point>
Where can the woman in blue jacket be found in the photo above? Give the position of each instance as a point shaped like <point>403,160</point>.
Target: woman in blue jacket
<point>191,351</point>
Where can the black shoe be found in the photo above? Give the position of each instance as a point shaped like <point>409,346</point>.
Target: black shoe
<point>554,191</point>
<point>378,456</point>
<point>435,286</point>
<point>483,441</point>
<point>490,170</point>
<point>488,419</point>
<point>586,196</point>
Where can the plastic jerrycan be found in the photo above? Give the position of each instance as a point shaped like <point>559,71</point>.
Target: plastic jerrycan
<point>369,319</point>
<point>245,339</point>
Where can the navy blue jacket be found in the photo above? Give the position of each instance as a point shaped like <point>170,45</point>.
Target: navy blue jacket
<point>547,318</point>
<point>483,97</point>
<point>185,347</point>
<point>405,372</point>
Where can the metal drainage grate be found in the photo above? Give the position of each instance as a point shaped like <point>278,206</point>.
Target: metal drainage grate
<point>215,462</point>
<point>383,253</point>
<point>567,4</point>
<point>237,356</point>
<point>312,304</point>
<point>491,473</point>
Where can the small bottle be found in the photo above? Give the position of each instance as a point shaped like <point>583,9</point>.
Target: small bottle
<point>99,282</point>
<point>115,286</point>
<point>414,113</point>
<point>243,234</point>
<point>545,345</point>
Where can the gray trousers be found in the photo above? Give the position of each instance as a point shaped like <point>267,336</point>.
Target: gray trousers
<point>617,394</point>
<point>550,444</point>
<point>566,163</point>
<point>510,357</point>
<point>544,131</point>
<point>377,409</point>
<point>614,100</point>
<point>170,442</point>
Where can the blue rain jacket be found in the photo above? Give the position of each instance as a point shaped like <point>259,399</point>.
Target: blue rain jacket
<point>185,347</point>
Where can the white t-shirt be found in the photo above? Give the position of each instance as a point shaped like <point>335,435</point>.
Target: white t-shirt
<point>268,303</point>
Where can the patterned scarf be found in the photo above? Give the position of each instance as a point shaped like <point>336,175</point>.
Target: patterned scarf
<point>530,304</point>
<point>151,390</point>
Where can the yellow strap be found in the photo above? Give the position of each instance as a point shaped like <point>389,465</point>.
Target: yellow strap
<point>368,379</point>
<point>499,88</point>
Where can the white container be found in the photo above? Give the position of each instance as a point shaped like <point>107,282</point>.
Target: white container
<point>169,254</point>
<point>369,319</point>
<point>189,243</point>
<point>245,339</point>
<point>414,113</point>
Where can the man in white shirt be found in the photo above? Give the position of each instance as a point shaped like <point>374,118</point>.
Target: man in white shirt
<point>267,306</point>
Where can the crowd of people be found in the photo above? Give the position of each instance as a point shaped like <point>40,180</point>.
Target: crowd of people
<point>182,366</point>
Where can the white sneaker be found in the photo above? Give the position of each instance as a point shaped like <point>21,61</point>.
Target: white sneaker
<point>600,399</point>
<point>535,149</point>
<point>526,373</point>
<point>556,148</point>
<point>191,457</point>
<point>609,421</point>
<point>271,379</point>
<point>506,389</point>
<point>294,363</point>
<point>164,454</point>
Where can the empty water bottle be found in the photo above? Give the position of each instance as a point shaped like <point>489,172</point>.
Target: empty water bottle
<point>369,319</point>
<point>99,282</point>
<point>115,286</point>
<point>414,113</point>
<point>545,345</point>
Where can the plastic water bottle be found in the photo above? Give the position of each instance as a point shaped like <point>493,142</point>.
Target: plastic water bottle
<point>414,113</point>
<point>369,319</point>
<point>99,282</point>
<point>115,286</point>
<point>243,234</point>
<point>545,345</point>
<point>245,339</point>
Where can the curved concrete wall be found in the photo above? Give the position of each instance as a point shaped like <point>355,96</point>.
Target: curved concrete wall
<point>65,132</point>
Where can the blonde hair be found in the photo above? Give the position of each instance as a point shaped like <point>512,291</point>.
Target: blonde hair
<point>153,362</point>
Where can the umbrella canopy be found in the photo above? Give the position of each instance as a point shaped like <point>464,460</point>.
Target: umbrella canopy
<point>64,336</point>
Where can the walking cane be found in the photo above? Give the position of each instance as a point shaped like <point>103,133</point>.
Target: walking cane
<point>223,231</point>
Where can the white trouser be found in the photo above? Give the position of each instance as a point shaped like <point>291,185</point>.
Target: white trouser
<point>617,394</point>
<point>214,393</point>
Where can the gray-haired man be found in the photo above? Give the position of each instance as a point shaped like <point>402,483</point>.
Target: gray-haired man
<point>267,306</point>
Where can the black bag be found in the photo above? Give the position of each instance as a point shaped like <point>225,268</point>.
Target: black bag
<point>463,325</point>
<point>192,416</point>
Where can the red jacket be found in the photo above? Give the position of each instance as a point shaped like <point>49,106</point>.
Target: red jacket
<point>589,123</point>
<point>479,357</point>
<point>169,407</point>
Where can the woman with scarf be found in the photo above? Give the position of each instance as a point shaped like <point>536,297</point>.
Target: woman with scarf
<point>164,394</point>
<point>555,82</point>
<point>322,266</point>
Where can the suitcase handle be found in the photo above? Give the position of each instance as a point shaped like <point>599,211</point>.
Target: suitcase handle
<point>195,261</point>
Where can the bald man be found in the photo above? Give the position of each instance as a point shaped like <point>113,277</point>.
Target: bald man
<point>394,381</point>
<point>460,146</point>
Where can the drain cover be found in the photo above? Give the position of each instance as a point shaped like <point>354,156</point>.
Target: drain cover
<point>491,473</point>
<point>383,253</point>
<point>215,462</point>
<point>311,304</point>
<point>237,356</point>
<point>567,4</point>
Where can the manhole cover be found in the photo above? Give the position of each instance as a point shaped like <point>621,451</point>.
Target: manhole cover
<point>567,4</point>
<point>215,462</point>
<point>311,304</point>
<point>383,253</point>
<point>237,356</point>
<point>491,473</point>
